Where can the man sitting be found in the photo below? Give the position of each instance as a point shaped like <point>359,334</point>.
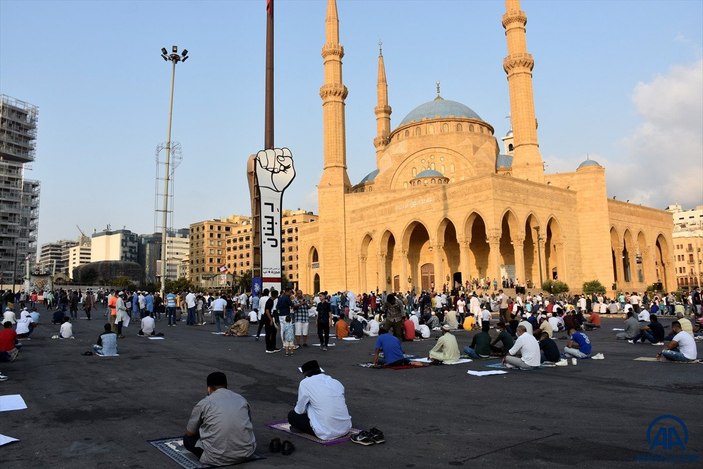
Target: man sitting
<point>148,325</point>
<point>66,330</point>
<point>357,326</point>
<point>372,327</point>
<point>579,346</point>
<point>632,328</point>
<point>8,343</point>
<point>506,340</point>
<point>447,349</point>
<point>682,348</point>
<point>239,329</point>
<point>321,409</point>
<point>219,431</point>
<point>654,332</point>
<point>593,321</point>
<point>549,351</point>
<point>341,328</point>
<point>408,329</point>
<point>528,348</point>
<point>107,343</point>
<point>480,343</point>
<point>25,325</point>
<point>392,351</point>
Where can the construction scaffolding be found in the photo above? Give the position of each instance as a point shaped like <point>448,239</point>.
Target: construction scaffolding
<point>19,197</point>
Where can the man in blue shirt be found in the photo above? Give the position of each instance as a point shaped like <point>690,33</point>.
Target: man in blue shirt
<point>171,308</point>
<point>392,351</point>
<point>579,346</point>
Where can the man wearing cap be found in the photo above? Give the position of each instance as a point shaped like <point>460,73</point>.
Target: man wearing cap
<point>321,409</point>
<point>447,349</point>
<point>219,431</point>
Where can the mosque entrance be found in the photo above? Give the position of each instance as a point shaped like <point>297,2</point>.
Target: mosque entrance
<point>427,276</point>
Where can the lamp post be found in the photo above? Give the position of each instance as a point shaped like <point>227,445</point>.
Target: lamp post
<point>174,57</point>
<point>539,256</point>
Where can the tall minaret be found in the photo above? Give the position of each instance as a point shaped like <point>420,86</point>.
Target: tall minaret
<point>527,161</point>
<point>334,183</point>
<point>383,110</point>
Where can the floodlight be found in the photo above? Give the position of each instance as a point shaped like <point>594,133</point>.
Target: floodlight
<point>185,58</point>
<point>164,51</point>
<point>174,49</point>
<point>185,52</point>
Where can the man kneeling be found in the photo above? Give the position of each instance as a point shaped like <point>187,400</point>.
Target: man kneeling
<point>321,409</point>
<point>220,431</point>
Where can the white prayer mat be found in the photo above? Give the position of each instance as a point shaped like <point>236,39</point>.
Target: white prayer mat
<point>458,362</point>
<point>12,402</point>
<point>486,373</point>
<point>156,338</point>
<point>4,439</point>
<point>351,339</point>
<point>329,345</point>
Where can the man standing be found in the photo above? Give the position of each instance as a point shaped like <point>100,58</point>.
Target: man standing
<point>88,303</point>
<point>112,308</point>
<point>301,319</point>
<point>269,321</point>
<point>190,304</point>
<point>219,431</point>
<point>528,348</point>
<point>447,349</point>
<point>171,308</point>
<point>324,316</point>
<point>321,409</point>
<point>218,311</point>
<point>262,305</point>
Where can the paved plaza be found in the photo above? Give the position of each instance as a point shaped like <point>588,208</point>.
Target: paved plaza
<point>92,412</point>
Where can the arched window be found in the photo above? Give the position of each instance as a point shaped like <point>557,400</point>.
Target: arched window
<point>430,129</point>
<point>407,133</point>
<point>414,172</point>
<point>510,147</point>
<point>418,131</point>
<point>445,128</point>
<point>471,127</point>
<point>459,128</point>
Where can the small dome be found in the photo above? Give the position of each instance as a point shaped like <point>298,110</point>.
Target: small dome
<point>370,177</point>
<point>588,163</point>
<point>510,133</point>
<point>439,108</point>
<point>504,162</point>
<point>429,173</point>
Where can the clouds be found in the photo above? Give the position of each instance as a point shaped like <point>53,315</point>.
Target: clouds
<point>664,154</point>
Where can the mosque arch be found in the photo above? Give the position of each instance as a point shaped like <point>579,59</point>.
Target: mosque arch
<point>368,269</point>
<point>508,232</point>
<point>476,249</point>
<point>417,251</point>
<point>386,257</point>
<point>628,247</point>
<point>314,262</point>
<point>662,262</point>
<point>459,128</point>
<point>447,240</point>
<point>554,257</point>
<point>531,256</point>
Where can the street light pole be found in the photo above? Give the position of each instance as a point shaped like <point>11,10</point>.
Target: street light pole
<point>174,58</point>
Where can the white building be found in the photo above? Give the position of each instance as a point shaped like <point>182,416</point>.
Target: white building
<point>77,256</point>
<point>117,245</point>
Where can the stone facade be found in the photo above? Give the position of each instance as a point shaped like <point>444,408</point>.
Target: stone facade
<point>444,206</point>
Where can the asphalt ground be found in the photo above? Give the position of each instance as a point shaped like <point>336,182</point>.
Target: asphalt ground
<point>91,412</point>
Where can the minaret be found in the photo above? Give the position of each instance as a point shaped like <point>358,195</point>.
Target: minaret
<point>334,183</point>
<point>383,110</point>
<point>527,161</point>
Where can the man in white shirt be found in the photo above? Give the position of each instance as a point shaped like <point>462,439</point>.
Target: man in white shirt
<point>682,348</point>
<point>66,330</point>
<point>262,305</point>
<point>321,409</point>
<point>371,328</point>
<point>190,304</point>
<point>148,325</point>
<point>528,348</point>
<point>218,311</point>
<point>25,325</point>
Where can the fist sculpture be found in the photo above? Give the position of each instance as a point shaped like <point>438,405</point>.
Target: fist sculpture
<point>274,168</point>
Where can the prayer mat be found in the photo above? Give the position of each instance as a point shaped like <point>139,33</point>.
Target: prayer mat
<point>498,365</point>
<point>458,362</point>
<point>284,426</point>
<point>486,373</point>
<point>646,359</point>
<point>329,345</point>
<point>174,449</point>
<point>396,367</point>
<point>219,333</point>
<point>351,339</point>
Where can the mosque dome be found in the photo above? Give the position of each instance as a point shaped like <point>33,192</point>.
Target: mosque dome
<point>370,177</point>
<point>504,162</point>
<point>588,163</point>
<point>438,108</point>
<point>429,173</point>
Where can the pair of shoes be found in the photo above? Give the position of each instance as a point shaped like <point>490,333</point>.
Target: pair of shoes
<point>287,448</point>
<point>658,344</point>
<point>377,435</point>
<point>275,445</point>
<point>630,341</point>
<point>562,362</point>
<point>598,356</point>
<point>363,438</point>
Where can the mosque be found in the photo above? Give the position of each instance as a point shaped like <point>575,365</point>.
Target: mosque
<point>445,204</point>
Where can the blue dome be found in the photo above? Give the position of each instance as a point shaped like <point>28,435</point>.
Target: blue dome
<point>439,108</point>
<point>504,161</point>
<point>588,163</point>
<point>429,173</point>
<point>370,177</point>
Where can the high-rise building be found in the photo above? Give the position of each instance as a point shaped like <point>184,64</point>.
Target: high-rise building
<point>78,255</point>
<point>54,257</point>
<point>177,248</point>
<point>114,245</point>
<point>688,246</point>
<point>19,197</point>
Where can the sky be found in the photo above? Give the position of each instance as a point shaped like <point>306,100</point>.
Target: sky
<point>617,81</point>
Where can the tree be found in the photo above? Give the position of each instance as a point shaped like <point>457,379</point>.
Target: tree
<point>182,284</point>
<point>555,287</point>
<point>594,286</point>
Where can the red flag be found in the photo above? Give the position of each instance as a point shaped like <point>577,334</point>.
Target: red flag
<point>269,7</point>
